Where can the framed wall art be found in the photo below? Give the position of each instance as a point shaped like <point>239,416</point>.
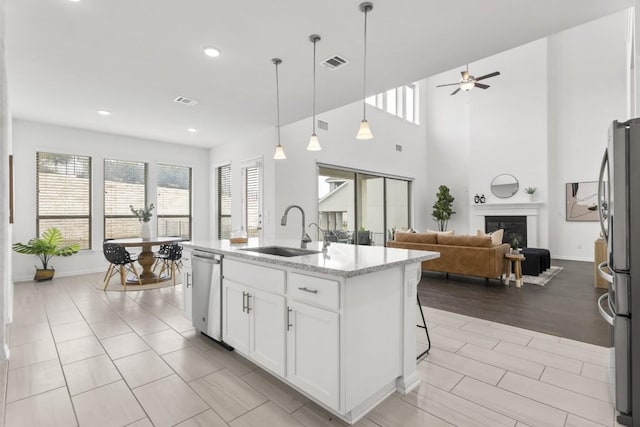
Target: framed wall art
<point>582,201</point>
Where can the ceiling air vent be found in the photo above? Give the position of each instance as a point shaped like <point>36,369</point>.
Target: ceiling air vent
<point>323,125</point>
<point>334,62</point>
<point>185,101</point>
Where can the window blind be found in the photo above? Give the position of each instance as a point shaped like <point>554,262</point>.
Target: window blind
<point>252,195</point>
<point>63,187</point>
<point>125,184</point>
<point>174,201</point>
<point>224,201</point>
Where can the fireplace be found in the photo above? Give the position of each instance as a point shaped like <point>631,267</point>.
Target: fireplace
<point>515,228</point>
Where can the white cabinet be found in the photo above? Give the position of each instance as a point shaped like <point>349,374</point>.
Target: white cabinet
<point>313,352</point>
<point>187,282</point>
<point>254,323</point>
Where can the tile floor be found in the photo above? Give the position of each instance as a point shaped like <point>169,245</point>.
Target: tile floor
<point>80,356</point>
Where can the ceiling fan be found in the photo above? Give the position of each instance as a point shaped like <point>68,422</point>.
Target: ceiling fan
<point>468,82</point>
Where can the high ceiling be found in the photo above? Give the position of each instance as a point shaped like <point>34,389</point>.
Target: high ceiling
<point>67,59</point>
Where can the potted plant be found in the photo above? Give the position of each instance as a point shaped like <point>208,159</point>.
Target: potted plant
<point>144,216</point>
<point>45,248</point>
<point>443,207</point>
<point>530,191</point>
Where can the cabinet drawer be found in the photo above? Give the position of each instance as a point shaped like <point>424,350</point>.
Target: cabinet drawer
<point>314,290</point>
<point>257,276</point>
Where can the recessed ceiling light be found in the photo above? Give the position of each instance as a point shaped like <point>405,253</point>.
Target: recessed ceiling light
<point>104,112</point>
<point>211,51</point>
<point>192,130</point>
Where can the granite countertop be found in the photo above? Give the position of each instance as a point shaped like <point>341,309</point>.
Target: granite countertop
<point>340,259</point>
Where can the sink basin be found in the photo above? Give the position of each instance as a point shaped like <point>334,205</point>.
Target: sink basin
<point>281,251</point>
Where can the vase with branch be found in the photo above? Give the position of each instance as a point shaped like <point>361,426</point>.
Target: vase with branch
<point>531,192</point>
<point>144,216</point>
<point>443,207</point>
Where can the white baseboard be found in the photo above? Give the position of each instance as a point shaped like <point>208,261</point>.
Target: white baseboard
<point>571,258</point>
<point>63,274</point>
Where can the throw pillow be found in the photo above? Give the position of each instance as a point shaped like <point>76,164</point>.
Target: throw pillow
<point>496,236</point>
<point>443,233</point>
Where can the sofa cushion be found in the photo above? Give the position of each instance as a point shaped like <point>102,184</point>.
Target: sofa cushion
<point>496,236</point>
<point>416,237</point>
<point>448,233</point>
<point>473,241</point>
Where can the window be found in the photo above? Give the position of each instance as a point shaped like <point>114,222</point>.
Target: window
<point>64,196</point>
<point>252,197</point>
<point>401,102</point>
<point>223,178</point>
<point>174,201</point>
<point>125,184</point>
<point>362,208</point>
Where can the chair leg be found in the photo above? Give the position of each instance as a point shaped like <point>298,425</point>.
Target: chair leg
<point>133,267</point>
<point>173,272</point>
<point>123,277</point>
<point>164,265</point>
<point>108,276</point>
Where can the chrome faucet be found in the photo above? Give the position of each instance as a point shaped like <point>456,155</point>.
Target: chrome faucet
<point>325,241</point>
<point>305,237</point>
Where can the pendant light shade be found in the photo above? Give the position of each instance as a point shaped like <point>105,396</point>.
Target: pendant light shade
<point>314,143</point>
<point>279,154</point>
<point>364,132</point>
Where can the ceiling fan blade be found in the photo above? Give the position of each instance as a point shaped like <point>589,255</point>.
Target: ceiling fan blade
<point>465,75</point>
<point>496,73</point>
<point>455,91</point>
<point>448,84</point>
<point>481,86</point>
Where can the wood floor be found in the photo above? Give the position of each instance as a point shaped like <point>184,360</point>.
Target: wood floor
<point>566,306</point>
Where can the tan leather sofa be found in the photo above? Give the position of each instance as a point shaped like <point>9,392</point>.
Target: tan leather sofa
<point>467,255</point>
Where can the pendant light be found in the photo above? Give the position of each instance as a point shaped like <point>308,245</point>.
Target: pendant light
<point>279,154</point>
<point>314,144</point>
<point>364,132</point>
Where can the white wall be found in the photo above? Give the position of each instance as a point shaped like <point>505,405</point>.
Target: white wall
<point>296,177</point>
<point>6,284</point>
<point>587,91</point>
<point>544,120</point>
<point>31,137</point>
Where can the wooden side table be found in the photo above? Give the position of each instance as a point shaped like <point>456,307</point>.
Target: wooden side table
<point>600,255</point>
<point>516,259</point>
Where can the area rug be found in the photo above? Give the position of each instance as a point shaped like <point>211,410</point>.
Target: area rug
<point>115,285</point>
<point>542,279</point>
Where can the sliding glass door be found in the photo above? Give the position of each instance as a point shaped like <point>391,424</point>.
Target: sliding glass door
<point>362,208</point>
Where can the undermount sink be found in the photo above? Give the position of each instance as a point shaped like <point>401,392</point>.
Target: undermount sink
<point>281,251</point>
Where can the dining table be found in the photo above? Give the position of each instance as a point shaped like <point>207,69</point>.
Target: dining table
<point>146,258</point>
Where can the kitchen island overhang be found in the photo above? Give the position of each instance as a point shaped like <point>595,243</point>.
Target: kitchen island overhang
<point>338,326</point>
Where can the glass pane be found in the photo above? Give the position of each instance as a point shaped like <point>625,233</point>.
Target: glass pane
<point>178,227</point>
<point>397,206</point>
<point>252,194</point>
<point>124,186</point>
<point>336,203</point>
<point>122,228</point>
<point>224,202</point>
<point>391,101</point>
<point>74,230</point>
<point>64,190</point>
<point>371,210</point>
<point>409,103</point>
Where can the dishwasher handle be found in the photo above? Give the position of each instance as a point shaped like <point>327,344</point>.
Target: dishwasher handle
<point>209,257</point>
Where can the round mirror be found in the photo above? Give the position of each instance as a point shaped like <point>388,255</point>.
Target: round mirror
<point>504,186</point>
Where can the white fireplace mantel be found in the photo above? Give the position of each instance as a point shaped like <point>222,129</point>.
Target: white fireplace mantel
<point>529,209</point>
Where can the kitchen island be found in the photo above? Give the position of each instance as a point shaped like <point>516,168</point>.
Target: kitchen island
<point>338,326</point>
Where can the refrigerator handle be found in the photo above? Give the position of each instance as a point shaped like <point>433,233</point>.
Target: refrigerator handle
<point>603,274</point>
<point>606,316</point>
<point>603,166</point>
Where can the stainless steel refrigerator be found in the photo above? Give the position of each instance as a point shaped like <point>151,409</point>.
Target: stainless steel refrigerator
<point>619,208</point>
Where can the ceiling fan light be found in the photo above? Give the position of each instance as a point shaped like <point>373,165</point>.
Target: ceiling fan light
<point>279,154</point>
<point>467,86</point>
<point>364,132</point>
<point>314,143</point>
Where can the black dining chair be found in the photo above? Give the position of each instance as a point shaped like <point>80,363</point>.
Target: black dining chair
<point>120,261</point>
<point>170,256</point>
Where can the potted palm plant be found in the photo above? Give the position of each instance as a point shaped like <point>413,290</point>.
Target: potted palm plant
<point>46,248</point>
<point>443,207</point>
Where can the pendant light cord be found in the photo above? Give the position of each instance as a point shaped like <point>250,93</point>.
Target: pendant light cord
<point>278,103</point>
<point>314,85</point>
<point>364,72</point>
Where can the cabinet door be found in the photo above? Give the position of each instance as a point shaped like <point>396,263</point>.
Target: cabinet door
<point>268,330</point>
<point>236,317</point>
<point>313,352</point>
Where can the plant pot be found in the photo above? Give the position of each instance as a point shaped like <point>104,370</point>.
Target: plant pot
<point>43,275</point>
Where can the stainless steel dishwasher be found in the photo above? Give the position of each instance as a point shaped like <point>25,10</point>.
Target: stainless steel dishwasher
<point>207,295</point>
